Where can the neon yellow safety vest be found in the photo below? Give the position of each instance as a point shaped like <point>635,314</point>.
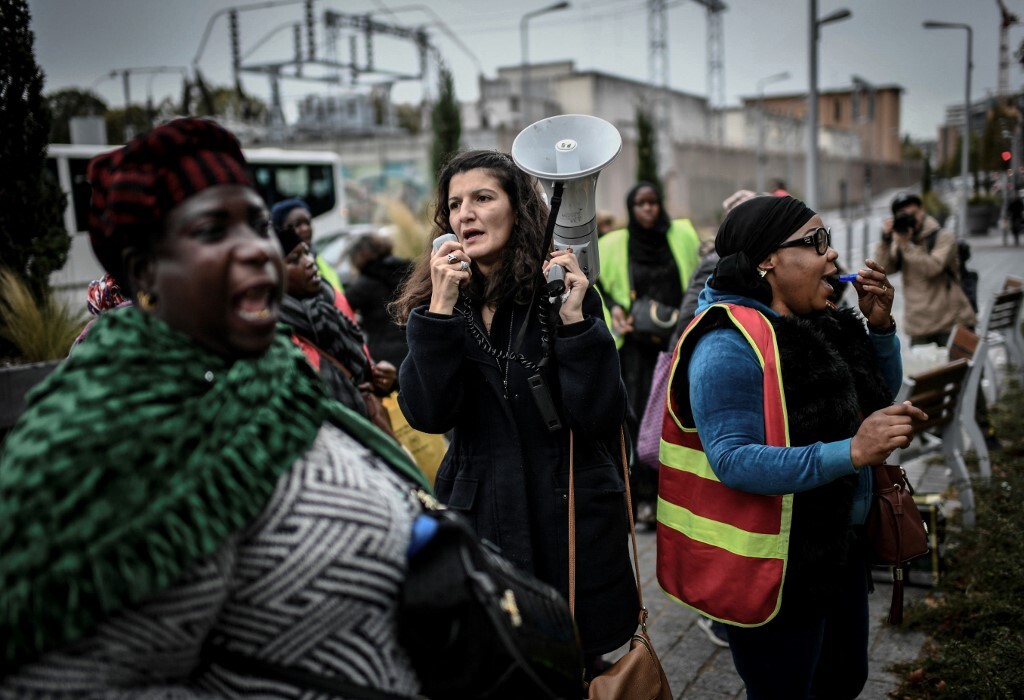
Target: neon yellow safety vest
<point>612,248</point>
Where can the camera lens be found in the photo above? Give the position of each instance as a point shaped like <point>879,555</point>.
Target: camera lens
<point>904,222</point>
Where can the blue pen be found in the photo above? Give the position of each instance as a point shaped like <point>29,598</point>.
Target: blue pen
<point>848,278</point>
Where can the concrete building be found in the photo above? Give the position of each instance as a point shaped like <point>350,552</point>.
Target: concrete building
<point>870,119</point>
<point>859,138</point>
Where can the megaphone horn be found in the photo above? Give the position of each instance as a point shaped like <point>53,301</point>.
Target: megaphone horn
<point>571,149</point>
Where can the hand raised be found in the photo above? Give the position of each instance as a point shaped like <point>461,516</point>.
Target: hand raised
<point>888,429</point>
<point>576,284</point>
<point>875,294</point>
<point>449,271</point>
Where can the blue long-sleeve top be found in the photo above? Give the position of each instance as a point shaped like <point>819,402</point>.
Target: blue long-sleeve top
<point>727,401</point>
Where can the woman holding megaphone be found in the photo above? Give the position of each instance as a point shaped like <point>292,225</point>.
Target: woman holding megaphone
<point>490,360</point>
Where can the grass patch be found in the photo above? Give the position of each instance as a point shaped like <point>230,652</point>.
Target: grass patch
<point>40,329</point>
<point>975,616</point>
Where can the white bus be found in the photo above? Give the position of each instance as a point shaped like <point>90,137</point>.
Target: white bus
<point>314,176</point>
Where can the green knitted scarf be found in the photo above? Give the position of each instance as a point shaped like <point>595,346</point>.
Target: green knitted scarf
<point>137,458</point>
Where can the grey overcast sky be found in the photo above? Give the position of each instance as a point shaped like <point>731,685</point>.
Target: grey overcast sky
<point>78,42</point>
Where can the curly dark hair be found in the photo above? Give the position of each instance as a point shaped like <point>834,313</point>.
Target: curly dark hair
<point>522,257</point>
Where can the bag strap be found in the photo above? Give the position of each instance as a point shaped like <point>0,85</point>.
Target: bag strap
<point>632,529</point>
<point>332,359</point>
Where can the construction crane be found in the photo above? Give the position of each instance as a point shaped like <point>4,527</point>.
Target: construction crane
<point>657,33</point>
<point>716,64</point>
<point>1007,20</point>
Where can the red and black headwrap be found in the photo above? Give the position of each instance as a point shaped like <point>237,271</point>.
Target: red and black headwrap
<point>133,188</point>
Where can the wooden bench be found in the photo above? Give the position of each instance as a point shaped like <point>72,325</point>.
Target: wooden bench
<point>939,393</point>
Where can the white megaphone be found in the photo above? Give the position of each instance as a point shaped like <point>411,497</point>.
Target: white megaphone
<point>572,149</point>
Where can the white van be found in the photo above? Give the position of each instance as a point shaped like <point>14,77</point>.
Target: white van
<point>314,176</point>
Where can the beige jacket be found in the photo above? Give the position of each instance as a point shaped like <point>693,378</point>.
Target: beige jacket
<point>933,299</point>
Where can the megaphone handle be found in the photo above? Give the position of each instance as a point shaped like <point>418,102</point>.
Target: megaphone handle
<point>556,204</point>
<point>549,234</point>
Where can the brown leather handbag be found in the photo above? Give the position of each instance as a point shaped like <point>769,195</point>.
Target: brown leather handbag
<point>638,675</point>
<point>895,529</point>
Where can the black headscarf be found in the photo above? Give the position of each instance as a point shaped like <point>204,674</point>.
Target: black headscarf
<point>748,235</point>
<point>653,269</point>
<point>647,244</point>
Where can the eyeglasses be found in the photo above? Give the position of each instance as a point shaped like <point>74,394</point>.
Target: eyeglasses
<point>821,239</point>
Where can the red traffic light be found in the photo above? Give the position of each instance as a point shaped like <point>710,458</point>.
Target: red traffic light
<point>1006,156</point>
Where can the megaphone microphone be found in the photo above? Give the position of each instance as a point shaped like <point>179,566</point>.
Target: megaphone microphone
<point>570,150</point>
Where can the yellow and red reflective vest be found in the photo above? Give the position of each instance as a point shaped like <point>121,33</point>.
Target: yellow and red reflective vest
<point>721,551</point>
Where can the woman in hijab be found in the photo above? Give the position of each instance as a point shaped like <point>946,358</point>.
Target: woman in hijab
<point>777,407</point>
<point>180,499</point>
<point>652,258</point>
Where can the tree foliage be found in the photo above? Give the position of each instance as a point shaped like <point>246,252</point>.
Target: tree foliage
<point>926,176</point>
<point>33,242</point>
<point>68,103</point>
<point>647,148</point>
<point>409,118</point>
<point>201,99</point>
<point>910,150</point>
<point>446,122</point>
<point>123,124</point>
<point>997,137</point>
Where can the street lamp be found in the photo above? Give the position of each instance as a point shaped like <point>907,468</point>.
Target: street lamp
<point>965,137</point>
<point>760,124</point>
<point>866,117</point>
<point>815,24</point>
<point>524,74</point>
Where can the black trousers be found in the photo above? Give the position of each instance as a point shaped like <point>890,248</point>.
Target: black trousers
<point>803,654</point>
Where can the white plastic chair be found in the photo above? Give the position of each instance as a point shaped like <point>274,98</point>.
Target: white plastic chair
<point>967,345</point>
<point>1001,329</point>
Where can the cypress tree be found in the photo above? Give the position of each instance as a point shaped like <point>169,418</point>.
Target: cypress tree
<point>446,122</point>
<point>33,242</point>
<point>647,149</point>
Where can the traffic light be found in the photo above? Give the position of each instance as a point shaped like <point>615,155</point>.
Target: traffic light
<point>1006,156</point>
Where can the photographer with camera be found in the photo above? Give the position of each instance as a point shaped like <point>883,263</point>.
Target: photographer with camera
<point>916,245</point>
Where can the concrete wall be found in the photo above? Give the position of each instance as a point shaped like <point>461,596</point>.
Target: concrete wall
<point>700,176</point>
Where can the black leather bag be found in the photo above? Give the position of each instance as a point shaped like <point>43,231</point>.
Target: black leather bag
<point>653,323</point>
<point>475,626</point>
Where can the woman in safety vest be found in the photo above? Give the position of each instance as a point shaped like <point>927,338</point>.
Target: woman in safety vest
<point>777,403</point>
<point>652,259</point>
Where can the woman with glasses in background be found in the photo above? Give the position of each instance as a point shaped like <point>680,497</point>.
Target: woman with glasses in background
<point>778,405</point>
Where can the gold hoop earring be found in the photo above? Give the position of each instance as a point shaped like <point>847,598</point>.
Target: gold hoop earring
<point>761,272</point>
<point>147,301</point>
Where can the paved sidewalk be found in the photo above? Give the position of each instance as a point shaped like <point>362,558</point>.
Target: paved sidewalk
<point>699,670</point>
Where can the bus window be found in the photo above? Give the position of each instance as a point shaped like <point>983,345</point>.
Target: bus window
<point>312,183</point>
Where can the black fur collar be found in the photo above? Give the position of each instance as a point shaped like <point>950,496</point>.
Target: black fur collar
<point>832,380</point>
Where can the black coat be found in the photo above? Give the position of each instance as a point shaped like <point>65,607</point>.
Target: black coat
<point>369,294</point>
<point>509,475</point>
